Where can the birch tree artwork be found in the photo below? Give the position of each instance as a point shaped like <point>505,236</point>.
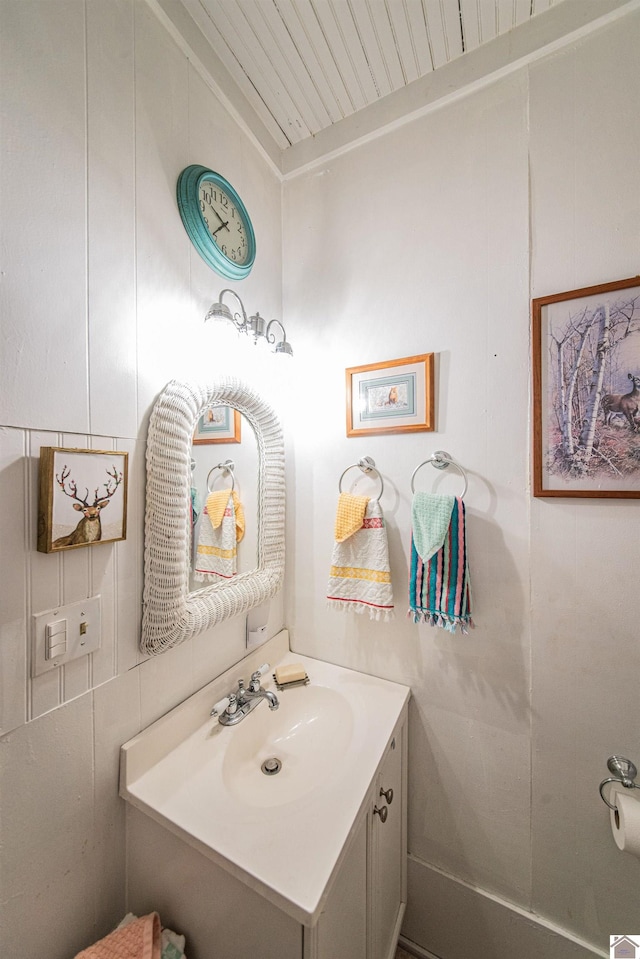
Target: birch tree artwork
<point>590,390</point>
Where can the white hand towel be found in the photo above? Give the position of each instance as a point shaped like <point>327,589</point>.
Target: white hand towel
<point>217,552</point>
<point>360,576</point>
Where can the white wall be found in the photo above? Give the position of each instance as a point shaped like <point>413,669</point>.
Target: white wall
<point>434,238</point>
<point>102,303</point>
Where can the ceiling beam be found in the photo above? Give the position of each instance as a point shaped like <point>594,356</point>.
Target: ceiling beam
<point>564,23</point>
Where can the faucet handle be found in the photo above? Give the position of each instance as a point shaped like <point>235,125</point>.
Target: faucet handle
<point>254,683</point>
<point>219,707</point>
<point>228,705</point>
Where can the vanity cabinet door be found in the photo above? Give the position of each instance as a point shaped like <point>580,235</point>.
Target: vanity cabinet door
<point>388,851</point>
<point>341,932</point>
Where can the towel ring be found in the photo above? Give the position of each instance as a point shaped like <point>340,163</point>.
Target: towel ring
<point>227,467</point>
<point>441,460</point>
<point>367,465</point>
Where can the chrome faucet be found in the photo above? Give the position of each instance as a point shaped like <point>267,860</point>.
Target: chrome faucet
<point>256,691</point>
<point>234,707</point>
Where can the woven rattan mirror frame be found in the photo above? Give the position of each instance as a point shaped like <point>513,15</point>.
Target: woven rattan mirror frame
<point>171,614</point>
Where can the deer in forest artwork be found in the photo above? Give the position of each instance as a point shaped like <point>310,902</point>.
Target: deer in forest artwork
<point>592,429</point>
<point>89,528</point>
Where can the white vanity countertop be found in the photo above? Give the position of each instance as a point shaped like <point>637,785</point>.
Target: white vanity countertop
<point>284,835</point>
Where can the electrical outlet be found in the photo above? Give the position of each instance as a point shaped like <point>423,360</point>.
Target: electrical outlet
<point>65,633</point>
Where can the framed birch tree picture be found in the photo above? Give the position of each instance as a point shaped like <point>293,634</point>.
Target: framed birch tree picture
<point>586,391</point>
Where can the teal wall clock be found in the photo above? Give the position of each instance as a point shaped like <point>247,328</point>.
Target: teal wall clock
<point>216,221</point>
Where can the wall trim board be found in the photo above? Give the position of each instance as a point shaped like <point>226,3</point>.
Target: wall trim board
<point>432,922</point>
<point>415,950</point>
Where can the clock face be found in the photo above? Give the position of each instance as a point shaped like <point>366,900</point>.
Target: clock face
<point>224,221</point>
<point>216,221</point>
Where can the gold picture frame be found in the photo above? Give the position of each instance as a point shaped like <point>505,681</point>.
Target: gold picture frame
<point>84,481</point>
<point>218,424</point>
<point>396,396</point>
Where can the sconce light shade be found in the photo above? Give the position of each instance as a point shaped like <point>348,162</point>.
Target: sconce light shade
<point>284,347</point>
<point>218,311</point>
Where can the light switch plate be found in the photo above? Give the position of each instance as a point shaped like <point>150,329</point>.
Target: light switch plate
<point>256,637</point>
<point>83,634</point>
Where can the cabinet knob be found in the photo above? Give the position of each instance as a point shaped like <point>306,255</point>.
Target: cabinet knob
<point>388,794</point>
<point>383,812</point>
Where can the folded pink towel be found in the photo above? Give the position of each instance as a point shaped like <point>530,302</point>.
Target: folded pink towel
<point>139,940</point>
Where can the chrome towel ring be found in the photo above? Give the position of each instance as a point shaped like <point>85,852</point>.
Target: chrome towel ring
<point>367,465</point>
<point>227,467</point>
<point>441,460</point>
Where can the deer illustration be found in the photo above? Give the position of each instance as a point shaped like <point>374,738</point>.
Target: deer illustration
<point>89,529</point>
<point>626,404</point>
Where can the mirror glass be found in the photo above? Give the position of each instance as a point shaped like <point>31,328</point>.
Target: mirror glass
<point>223,463</point>
<point>175,605</point>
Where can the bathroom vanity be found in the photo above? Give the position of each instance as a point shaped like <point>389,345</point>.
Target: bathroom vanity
<point>309,863</point>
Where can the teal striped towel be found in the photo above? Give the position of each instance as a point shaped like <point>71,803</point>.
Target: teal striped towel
<point>439,587</point>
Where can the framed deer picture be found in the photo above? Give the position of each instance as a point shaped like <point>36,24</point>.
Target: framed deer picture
<point>586,391</point>
<point>82,498</point>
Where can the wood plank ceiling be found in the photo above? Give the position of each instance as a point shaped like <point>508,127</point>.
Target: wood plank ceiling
<point>306,64</point>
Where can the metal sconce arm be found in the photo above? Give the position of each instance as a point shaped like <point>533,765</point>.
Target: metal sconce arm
<point>280,346</point>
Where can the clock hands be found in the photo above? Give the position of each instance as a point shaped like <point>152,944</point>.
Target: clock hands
<point>222,226</point>
<point>211,207</point>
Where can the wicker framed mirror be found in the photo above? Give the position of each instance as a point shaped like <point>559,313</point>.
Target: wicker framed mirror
<point>171,613</point>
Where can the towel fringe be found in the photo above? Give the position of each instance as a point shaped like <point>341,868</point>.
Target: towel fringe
<point>211,577</point>
<point>442,620</point>
<point>381,615</point>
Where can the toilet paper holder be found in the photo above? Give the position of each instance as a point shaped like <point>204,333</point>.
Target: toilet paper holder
<point>623,771</point>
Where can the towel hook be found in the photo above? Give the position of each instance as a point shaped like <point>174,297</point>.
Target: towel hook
<point>367,465</point>
<point>623,772</point>
<point>227,467</point>
<point>441,460</point>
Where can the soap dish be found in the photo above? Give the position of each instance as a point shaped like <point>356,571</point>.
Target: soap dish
<point>295,682</point>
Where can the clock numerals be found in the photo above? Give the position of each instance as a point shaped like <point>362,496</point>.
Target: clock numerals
<point>224,223</point>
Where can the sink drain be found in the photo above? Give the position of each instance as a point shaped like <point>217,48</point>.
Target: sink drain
<point>271,766</point>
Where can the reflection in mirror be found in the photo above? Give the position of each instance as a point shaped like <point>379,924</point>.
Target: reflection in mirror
<point>173,610</point>
<point>210,476</point>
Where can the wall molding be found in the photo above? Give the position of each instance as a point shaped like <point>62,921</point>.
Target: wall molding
<point>432,928</point>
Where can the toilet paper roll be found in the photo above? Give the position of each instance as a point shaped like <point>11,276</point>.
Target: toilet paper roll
<point>625,824</point>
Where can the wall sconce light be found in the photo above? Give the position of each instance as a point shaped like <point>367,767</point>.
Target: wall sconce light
<point>255,325</point>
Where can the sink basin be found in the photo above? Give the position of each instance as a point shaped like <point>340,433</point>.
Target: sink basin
<point>308,734</point>
<point>204,781</point>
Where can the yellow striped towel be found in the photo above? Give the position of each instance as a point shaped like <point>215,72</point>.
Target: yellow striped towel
<point>360,576</point>
<point>220,532</point>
